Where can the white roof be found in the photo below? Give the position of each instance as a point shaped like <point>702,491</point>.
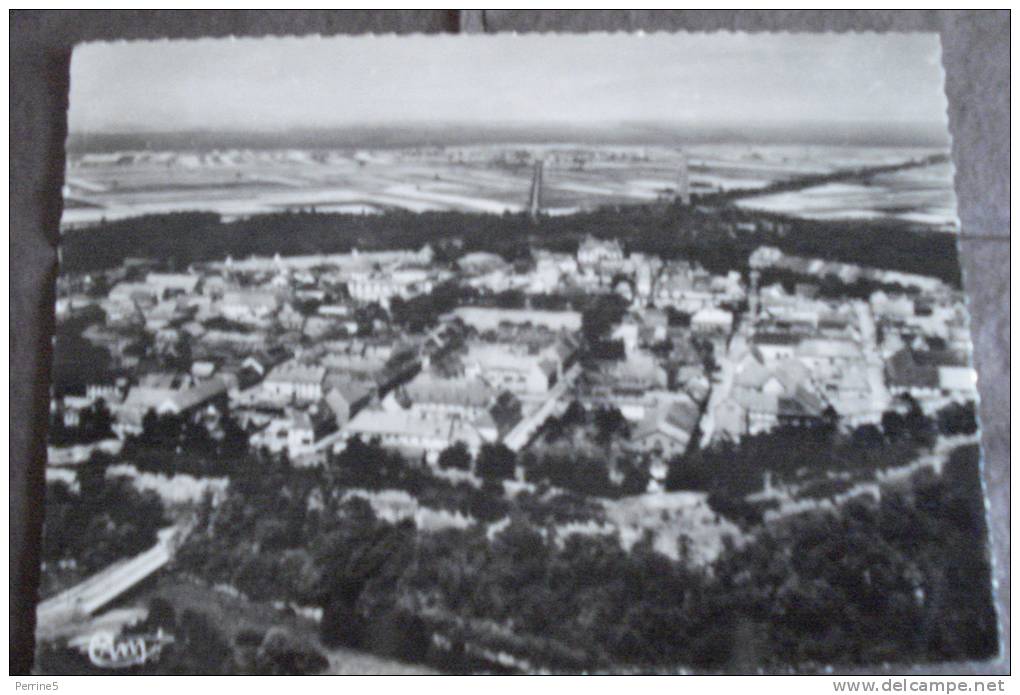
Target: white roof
<point>957,378</point>
<point>709,315</point>
<point>297,373</point>
<point>178,281</point>
<point>435,427</point>
<point>489,317</point>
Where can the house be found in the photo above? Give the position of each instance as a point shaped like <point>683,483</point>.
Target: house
<point>640,371</point>
<point>550,269</point>
<point>768,395</point>
<point>513,368</point>
<point>166,397</point>
<point>668,429</point>
<point>347,395</point>
<point>421,432</point>
<point>489,318</point>
<point>482,263</point>
<point>897,306</point>
<point>819,353</point>
<point>712,321</point>
<point>202,369</point>
<point>128,300</point>
<point>295,432</point>
<point>248,306</point>
<point>295,381</point>
<point>730,418</point>
<point>111,391</point>
<point>774,347</point>
<point>379,286</point>
<point>800,409</point>
<point>467,396</point>
<point>593,252</point>
<point>906,372</point>
<point>201,394</point>
<point>173,284</point>
<point>957,380</point>
<point>134,292</point>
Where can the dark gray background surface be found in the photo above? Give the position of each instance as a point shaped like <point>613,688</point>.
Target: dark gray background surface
<point>976,60</point>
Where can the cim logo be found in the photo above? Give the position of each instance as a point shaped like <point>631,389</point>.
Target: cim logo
<point>108,651</point>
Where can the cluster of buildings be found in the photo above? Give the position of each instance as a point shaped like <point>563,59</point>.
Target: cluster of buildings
<point>303,353</point>
<point>849,273</point>
<point>802,361</point>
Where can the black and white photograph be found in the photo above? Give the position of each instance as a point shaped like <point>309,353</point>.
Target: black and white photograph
<point>610,353</point>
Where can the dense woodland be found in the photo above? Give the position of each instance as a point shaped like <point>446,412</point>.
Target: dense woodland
<point>709,237</point>
<point>99,520</point>
<point>878,581</point>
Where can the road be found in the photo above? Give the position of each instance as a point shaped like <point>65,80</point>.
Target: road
<point>723,384</point>
<point>522,433</point>
<point>873,358</point>
<point>55,615</point>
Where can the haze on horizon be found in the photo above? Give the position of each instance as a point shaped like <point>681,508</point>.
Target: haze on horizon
<point>274,85</point>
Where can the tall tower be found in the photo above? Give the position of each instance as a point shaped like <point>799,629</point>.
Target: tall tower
<point>535,198</point>
<point>752,296</point>
<point>683,184</point>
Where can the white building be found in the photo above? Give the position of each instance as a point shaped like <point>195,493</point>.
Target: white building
<point>489,318</point>
<point>712,321</point>
<point>421,431</point>
<point>295,381</point>
<point>247,306</point>
<point>513,368</point>
<point>381,287</point>
<point>593,252</point>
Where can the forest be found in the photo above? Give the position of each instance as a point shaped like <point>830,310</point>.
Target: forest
<point>95,522</point>
<point>708,235</point>
<point>876,581</point>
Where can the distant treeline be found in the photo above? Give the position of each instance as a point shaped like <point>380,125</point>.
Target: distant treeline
<point>707,236</point>
<point>801,182</point>
<point>435,134</point>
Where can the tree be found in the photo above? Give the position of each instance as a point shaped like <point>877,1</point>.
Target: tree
<point>920,428</point>
<point>496,462</point>
<point>282,654</point>
<point>206,651</point>
<point>867,437</point>
<point>455,457</point>
<point>235,439</point>
<point>893,424</point>
<point>574,416</point>
<point>96,422</point>
<point>610,422</point>
<point>957,418</point>
<point>599,317</point>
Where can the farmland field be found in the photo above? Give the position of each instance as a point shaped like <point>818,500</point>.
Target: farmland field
<point>489,179</point>
<point>924,195</point>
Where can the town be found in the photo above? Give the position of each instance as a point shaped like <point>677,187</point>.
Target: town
<point>464,369</point>
<point>304,353</point>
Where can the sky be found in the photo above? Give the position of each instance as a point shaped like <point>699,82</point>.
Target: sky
<point>286,83</point>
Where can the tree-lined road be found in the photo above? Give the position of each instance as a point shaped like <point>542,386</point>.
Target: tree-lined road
<point>79,602</point>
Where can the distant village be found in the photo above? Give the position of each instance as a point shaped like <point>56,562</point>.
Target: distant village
<point>306,353</point>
